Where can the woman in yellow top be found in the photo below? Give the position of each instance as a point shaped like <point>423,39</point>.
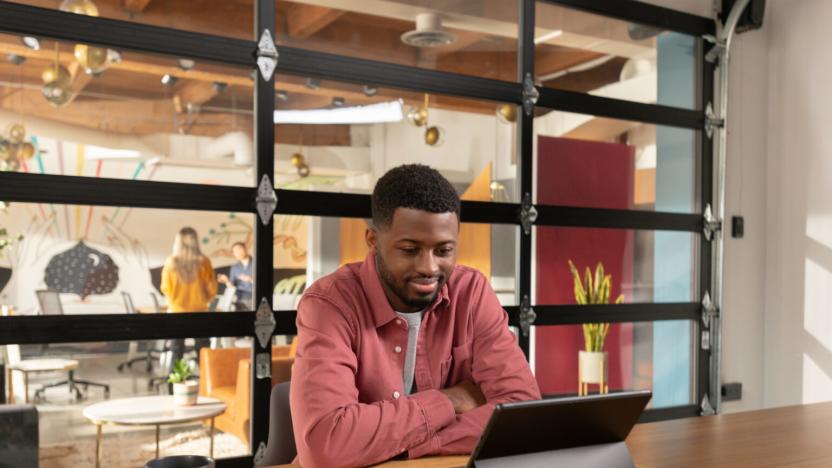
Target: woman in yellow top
<point>188,282</point>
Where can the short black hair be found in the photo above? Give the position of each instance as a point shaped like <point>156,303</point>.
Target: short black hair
<point>412,186</point>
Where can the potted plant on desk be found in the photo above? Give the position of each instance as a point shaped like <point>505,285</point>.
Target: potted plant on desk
<point>593,361</point>
<point>185,391</point>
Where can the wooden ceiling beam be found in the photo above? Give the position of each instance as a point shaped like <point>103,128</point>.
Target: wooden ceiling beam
<point>135,6</point>
<point>303,21</point>
<point>194,93</point>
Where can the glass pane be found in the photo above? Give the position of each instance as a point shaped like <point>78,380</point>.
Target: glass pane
<point>596,162</point>
<point>108,260</point>
<point>67,436</point>
<point>607,57</point>
<point>472,37</point>
<point>645,266</point>
<point>342,137</point>
<point>234,19</point>
<point>646,355</point>
<point>309,247</point>
<point>128,116</point>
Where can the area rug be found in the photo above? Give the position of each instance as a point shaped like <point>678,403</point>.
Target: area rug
<point>133,450</point>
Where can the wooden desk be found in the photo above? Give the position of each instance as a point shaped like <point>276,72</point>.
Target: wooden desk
<point>790,436</point>
<point>793,436</point>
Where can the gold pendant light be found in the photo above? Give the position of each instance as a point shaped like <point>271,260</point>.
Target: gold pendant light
<point>94,60</point>
<point>57,83</point>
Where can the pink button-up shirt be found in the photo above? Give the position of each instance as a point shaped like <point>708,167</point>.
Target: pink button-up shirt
<point>348,404</point>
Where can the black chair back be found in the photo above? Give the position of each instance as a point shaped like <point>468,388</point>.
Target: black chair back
<point>280,449</point>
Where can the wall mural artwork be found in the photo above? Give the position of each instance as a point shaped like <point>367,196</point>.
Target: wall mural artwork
<point>82,270</point>
<point>93,253</point>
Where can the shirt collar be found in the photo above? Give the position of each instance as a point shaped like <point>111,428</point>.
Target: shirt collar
<point>381,309</point>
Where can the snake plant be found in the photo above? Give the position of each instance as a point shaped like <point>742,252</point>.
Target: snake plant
<point>593,289</point>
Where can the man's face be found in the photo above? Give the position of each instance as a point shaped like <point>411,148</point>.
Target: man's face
<point>240,252</point>
<point>414,256</point>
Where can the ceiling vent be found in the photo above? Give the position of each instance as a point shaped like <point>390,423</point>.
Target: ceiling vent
<point>428,33</point>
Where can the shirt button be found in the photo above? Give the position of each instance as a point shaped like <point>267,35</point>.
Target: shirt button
<point>399,322</point>
<point>397,349</point>
<point>396,395</point>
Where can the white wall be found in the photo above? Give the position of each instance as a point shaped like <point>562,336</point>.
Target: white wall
<point>798,319</point>
<point>744,304</point>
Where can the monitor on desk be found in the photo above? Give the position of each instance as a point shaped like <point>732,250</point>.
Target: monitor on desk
<point>574,431</point>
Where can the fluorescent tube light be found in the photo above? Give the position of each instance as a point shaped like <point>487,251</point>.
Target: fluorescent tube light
<point>99,152</point>
<point>391,111</point>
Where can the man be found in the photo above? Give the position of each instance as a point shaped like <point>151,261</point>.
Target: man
<point>404,354</point>
<point>240,276</point>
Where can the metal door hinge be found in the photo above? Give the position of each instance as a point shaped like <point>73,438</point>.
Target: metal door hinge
<point>712,121</point>
<point>709,310</point>
<point>711,224</point>
<point>707,409</point>
<point>266,200</point>
<point>528,214</point>
<point>266,55</point>
<point>527,316</point>
<point>530,94</point>
<point>264,323</point>
<point>263,365</point>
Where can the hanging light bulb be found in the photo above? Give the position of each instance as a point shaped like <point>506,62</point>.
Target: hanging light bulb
<point>26,151</point>
<point>56,84</point>
<point>16,133</point>
<point>507,113</point>
<point>94,60</point>
<point>80,7</point>
<point>434,136</point>
<point>299,163</point>
<point>418,116</point>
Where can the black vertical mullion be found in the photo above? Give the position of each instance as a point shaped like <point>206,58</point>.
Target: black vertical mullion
<point>264,19</point>
<point>707,175</point>
<point>525,66</point>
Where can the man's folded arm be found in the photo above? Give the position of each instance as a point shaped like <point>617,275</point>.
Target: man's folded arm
<point>498,367</point>
<point>331,427</point>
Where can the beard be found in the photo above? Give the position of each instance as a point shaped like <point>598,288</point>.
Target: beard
<point>400,290</point>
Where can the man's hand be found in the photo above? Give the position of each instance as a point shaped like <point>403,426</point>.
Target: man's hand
<point>223,279</point>
<point>245,278</point>
<point>465,396</point>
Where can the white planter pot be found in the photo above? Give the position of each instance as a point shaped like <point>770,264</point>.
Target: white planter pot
<point>593,366</point>
<point>186,393</point>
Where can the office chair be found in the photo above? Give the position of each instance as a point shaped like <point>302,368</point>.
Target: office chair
<point>50,304</point>
<point>162,347</point>
<point>133,348</point>
<point>280,448</point>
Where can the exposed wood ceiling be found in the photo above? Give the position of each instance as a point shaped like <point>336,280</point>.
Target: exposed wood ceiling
<point>129,98</point>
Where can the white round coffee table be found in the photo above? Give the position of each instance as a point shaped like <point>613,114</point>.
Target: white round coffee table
<point>150,411</point>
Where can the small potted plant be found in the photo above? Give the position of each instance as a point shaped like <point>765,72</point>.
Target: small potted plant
<point>185,391</point>
<point>592,362</point>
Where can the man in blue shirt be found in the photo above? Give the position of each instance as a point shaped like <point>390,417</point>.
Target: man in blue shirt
<point>240,276</point>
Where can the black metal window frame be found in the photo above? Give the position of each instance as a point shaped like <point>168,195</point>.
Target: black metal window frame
<point>28,20</point>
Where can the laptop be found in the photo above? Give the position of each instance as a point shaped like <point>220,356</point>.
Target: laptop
<point>582,431</point>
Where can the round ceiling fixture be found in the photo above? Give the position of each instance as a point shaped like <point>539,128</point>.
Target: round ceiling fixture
<point>428,33</point>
